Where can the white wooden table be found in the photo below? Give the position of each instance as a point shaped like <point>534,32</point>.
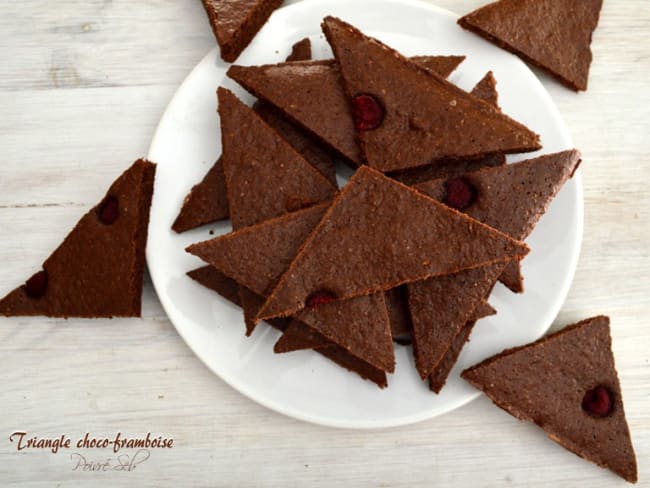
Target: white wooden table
<point>82,86</point>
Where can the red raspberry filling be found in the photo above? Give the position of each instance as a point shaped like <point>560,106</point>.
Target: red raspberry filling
<point>36,286</point>
<point>367,112</point>
<point>598,402</point>
<point>460,193</point>
<point>109,210</point>
<point>319,298</point>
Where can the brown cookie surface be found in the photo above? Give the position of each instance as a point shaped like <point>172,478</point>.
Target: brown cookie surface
<point>407,116</point>
<point>554,35</point>
<point>567,384</point>
<point>98,269</point>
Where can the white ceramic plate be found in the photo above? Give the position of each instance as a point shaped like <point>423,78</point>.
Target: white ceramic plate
<point>303,384</point>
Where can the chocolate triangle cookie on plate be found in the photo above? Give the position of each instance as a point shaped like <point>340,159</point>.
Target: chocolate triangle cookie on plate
<point>97,270</point>
<point>510,198</point>
<point>359,325</point>
<point>407,116</point>
<point>290,87</point>
<point>371,239</point>
<point>229,289</point>
<point>306,145</point>
<point>441,306</point>
<point>567,384</point>
<point>207,201</point>
<point>256,256</point>
<point>485,89</point>
<point>265,175</point>
<point>438,378</point>
<point>554,35</point>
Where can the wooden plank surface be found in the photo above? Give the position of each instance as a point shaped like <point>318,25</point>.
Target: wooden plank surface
<point>82,87</point>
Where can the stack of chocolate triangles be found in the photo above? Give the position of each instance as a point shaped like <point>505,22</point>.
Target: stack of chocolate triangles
<point>379,260</point>
<point>347,273</point>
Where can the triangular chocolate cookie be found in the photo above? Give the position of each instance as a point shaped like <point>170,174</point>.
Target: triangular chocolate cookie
<point>438,378</point>
<point>441,306</point>
<point>299,336</point>
<point>528,186</point>
<point>235,22</point>
<point>97,271</point>
<point>485,89</point>
<point>333,326</point>
<point>510,198</point>
<point>291,88</point>
<point>407,116</point>
<point>372,239</point>
<point>258,255</point>
<point>359,325</point>
<point>206,202</point>
<point>554,35</point>
<point>567,384</point>
<point>265,176</point>
<point>306,145</point>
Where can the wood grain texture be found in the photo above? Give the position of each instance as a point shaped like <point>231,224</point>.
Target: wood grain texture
<point>82,87</point>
